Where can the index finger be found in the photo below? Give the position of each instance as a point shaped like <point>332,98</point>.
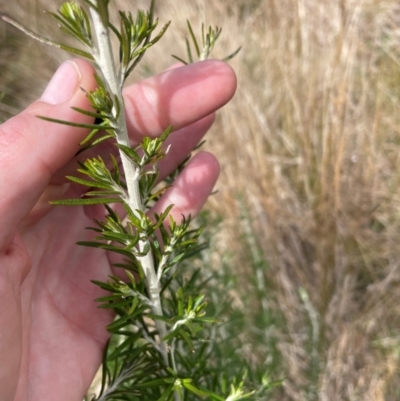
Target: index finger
<point>177,97</point>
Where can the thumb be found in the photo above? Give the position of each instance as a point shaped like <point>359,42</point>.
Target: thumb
<point>32,150</point>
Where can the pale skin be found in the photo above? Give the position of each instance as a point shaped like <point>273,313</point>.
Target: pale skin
<point>51,333</point>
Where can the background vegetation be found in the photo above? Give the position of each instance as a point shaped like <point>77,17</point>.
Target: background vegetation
<point>305,256</point>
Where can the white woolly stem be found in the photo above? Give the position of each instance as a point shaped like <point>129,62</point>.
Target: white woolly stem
<point>105,61</point>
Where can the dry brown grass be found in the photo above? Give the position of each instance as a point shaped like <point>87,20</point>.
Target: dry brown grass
<point>310,145</point>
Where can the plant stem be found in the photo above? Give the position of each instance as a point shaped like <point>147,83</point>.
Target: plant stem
<point>105,61</point>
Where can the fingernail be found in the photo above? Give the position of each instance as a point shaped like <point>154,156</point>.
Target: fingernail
<point>63,84</point>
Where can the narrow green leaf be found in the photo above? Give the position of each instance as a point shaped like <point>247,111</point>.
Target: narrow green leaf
<point>151,12</point>
<point>166,133</point>
<point>180,301</point>
<point>167,395</point>
<point>89,3</point>
<point>216,397</point>
<point>112,214</point>
<point>119,323</point>
<point>133,306</point>
<point>196,45</point>
<point>199,301</point>
<point>114,373</point>
<point>72,124</point>
<point>102,138</point>
<point>104,369</point>
<point>108,298</point>
<point>189,51</point>
<point>131,153</point>
<point>102,9</point>
<point>188,242</point>
<point>158,317</point>
<point>151,383</point>
<point>120,236</point>
<point>87,27</point>
<point>176,259</point>
<point>185,336</point>
<point>203,320</point>
<point>87,183</point>
<point>115,171</point>
<point>231,56</point>
<point>195,390</point>
<point>102,193</point>
<point>167,284</point>
<point>115,30</point>
<point>88,113</point>
<point>85,202</point>
<point>115,305</point>
<point>130,267</point>
<point>103,285</point>
<point>180,59</point>
<point>160,218</point>
<point>90,136</point>
<point>171,335</point>
<point>75,51</point>
<point>107,247</point>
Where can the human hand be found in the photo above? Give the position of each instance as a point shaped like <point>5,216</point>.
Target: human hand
<point>51,333</point>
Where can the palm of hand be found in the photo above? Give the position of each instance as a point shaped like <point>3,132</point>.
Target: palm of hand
<point>63,332</point>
